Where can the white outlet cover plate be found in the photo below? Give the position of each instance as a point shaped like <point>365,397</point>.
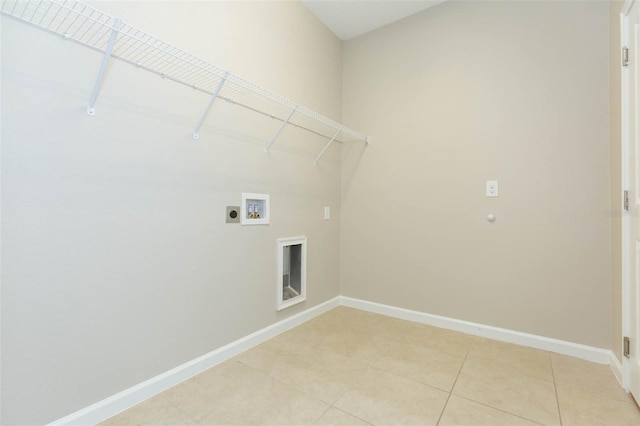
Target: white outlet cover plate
<point>492,188</point>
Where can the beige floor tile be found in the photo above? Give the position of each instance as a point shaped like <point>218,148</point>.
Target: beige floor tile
<point>533,362</point>
<point>354,318</point>
<point>335,417</point>
<point>320,374</point>
<point>382,398</point>
<point>398,328</point>
<point>437,369</point>
<point>271,354</point>
<point>325,376</point>
<point>308,334</point>
<point>379,370</point>
<point>278,405</point>
<point>580,407</point>
<point>355,344</point>
<point>588,376</point>
<point>442,340</point>
<point>460,411</point>
<point>226,384</point>
<point>508,390</point>
<point>154,411</point>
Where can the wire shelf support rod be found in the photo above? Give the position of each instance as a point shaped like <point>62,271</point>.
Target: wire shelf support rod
<point>315,162</point>
<point>210,104</point>
<point>284,123</point>
<point>107,54</point>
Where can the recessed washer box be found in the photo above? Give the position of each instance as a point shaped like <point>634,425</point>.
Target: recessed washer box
<point>254,209</point>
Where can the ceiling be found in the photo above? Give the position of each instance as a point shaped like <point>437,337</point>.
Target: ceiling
<point>351,18</point>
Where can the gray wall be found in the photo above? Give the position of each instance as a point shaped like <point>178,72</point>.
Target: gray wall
<point>116,261</point>
<point>463,93</point>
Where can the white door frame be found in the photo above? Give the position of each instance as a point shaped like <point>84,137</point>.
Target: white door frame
<point>626,218</point>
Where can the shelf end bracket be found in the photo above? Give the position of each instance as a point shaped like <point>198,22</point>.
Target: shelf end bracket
<point>117,24</point>
<point>275,136</point>
<point>327,146</point>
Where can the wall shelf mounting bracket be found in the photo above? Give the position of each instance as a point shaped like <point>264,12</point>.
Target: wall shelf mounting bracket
<point>275,136</point>
<point>213,98</point>
<point>315,162</point>
<point>117,24</point>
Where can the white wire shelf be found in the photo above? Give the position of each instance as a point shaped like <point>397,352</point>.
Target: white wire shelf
<point>97,30</point>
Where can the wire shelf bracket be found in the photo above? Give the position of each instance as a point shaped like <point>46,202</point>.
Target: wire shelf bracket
<point>274,137</point>
<point>117,24</point>
<point>315,162</point>
<point>114,38</point>
<point>210,104</point>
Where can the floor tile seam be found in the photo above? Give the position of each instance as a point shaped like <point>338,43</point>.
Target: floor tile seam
<point>196,421</point>
<point>349,387</point>
<point>600,395</point>
<point>258,370</point>
<point>323,413</point>
<point>512,368</point>
<point>497,409</point>
<point>270,372</point>
<point>348,413</point>
<point>467,398</point>
<point>555,390</point>
<point>367,329</point>
<point>431,349</point>
<point>444,407</point>
<point>434,349</point>
<point>510,373</point>
<point>307,394</point>
<point>277,381</point>
<point>591,384</point>
<point>412,379</point>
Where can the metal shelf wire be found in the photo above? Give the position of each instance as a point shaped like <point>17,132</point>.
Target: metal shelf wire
<point>114,38</point>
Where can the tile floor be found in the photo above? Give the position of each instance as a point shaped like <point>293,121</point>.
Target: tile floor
<point>350,367</point>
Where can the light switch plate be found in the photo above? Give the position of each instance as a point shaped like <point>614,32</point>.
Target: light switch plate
<point>492,188</point>
<point>327,213</point>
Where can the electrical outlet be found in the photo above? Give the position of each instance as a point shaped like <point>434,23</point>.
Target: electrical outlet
<point>492,188</point>
<point>233,214</point>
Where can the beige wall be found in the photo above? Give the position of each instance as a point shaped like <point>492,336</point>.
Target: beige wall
<point>460,94</point>
<point>615,8</point>
<point>116,261</point>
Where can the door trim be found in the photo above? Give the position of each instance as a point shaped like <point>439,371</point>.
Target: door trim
<point>626,219</point>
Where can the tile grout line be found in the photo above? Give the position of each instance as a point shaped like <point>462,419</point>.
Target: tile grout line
<point>444,407</point>
<point>481,403</point>
<point>323,413</point>
<point>555,389</point>
<point>196,421</point>
<point>349,414</point>
<point>499,409</point>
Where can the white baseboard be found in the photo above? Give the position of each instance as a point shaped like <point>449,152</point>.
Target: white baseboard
<point>119,402</point>
<point>589,353</point>
<point>616,367</point>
